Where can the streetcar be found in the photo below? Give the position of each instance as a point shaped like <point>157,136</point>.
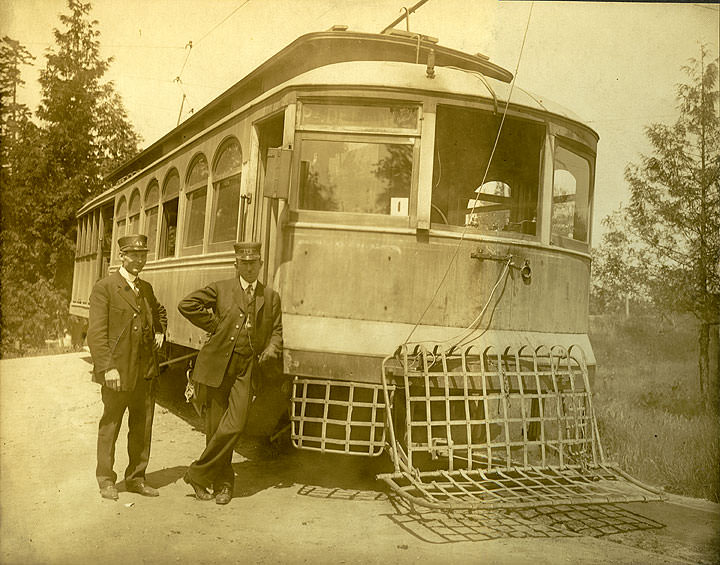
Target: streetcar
<point>426,222</point>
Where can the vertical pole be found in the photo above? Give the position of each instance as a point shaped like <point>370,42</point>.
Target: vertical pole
<point>182,103</point>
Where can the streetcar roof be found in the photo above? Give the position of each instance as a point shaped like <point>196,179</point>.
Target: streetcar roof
<point>453,81</point>
<point>349,59</point>
<point>308,52</point>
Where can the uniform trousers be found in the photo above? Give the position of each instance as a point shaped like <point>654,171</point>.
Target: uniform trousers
<point>140,404</point>
<point>225,418</point>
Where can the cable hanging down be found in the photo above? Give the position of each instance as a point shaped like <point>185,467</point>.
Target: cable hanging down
<point>487,169</point>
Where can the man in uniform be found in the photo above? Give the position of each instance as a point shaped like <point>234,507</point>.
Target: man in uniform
<point>126,329</point>
<point>244,323</point>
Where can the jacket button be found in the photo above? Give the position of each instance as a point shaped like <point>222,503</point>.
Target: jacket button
<point>135,328</point>
<point>134,315</point>
<point>237,327</point>
<point>232,338</point>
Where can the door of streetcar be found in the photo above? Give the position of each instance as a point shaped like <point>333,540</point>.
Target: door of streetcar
<point>267,209</point>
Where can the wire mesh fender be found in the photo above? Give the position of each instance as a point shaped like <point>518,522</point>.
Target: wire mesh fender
<point>498,428</point>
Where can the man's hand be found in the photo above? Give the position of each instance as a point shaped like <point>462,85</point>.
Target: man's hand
<point>268,354</point>
<point>112,379</point>
<point>159,340</point>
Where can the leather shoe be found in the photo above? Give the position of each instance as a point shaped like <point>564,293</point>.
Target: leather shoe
<point>200,491</point>
<point>141,488</point>
<point>109,492</point>
<point>224,496</point>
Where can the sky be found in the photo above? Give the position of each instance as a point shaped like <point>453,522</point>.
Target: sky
<point>616,65</point>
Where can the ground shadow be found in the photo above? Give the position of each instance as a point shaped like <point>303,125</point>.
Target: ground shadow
<point>315,475</point>
<point>345,477</point>
<point>170,395</point>
<point>266,465</point>
<point>161,478</point>
<point>452,526</point>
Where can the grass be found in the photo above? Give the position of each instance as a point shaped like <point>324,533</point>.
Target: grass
<point>652,418</point>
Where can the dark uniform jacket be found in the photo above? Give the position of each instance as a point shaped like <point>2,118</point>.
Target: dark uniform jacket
<point>221,310</point>
<point>115,331</point>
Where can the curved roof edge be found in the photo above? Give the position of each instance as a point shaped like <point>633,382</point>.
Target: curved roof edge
<point>308,52</point>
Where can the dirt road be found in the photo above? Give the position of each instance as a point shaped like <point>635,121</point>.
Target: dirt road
<point>299,508</point>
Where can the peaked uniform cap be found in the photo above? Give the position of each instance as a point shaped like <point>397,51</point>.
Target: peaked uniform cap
<point>247,250</point>
<point>135,242</point>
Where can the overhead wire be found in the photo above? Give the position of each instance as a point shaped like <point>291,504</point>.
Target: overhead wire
<point>189,46</point>
<point>472,211</point>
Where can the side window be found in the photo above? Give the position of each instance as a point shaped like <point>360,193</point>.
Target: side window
<point>226,194</point>
<point>196,196</point>
<point>357,158</point>
<point>93,235</point>
<point>120,221</point>
<point>571,195</point>
<point>133,225</point>
<point>168,231</point>
<point>152,200</point>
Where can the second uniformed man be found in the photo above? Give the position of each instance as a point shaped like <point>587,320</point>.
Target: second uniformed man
<point>244,323</point>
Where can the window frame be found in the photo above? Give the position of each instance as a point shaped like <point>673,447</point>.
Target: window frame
<point>217,178</point>
<point>147,208</point>
<point>351,129</point>
<point>585,153</point>
<point>134,197</point>
<point>164,199</point>
<point>357,218</point>
<point>188,192</point>
<point>517,117</point>
<point>117,220</point>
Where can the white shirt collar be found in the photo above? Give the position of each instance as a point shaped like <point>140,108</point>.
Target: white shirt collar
<point>129,277</point>
<point>244,284</point>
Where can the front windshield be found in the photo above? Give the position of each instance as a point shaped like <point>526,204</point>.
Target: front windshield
<point>358,177</point>
<point>501,199</point>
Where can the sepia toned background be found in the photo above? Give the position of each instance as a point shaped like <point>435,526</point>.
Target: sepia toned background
<point>613,64</point>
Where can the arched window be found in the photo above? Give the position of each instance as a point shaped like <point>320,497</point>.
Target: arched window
<point>196,197</point>
<point>152,200</point>
<point>226,194</point>
<point>93,236</point>
<point>120,220</point>
<point>133,225</point>
<point>168,232</point>
<point>83,236</point>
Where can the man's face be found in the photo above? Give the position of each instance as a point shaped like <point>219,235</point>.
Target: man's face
<point>248,270</point>
<point>133,261</point>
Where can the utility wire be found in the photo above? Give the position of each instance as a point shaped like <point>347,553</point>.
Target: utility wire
<point>189,47</point>
<point>487,169</point>
<point>222,22</point>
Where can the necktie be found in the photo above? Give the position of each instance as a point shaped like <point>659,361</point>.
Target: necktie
<point>133,286</point>
<point>251,306</point>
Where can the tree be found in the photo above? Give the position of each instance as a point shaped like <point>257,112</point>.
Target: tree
<point>84,133</point>
<point>24,304</point>
<point>13,114</point>
<point>618,268</point>
<point>674,209</point>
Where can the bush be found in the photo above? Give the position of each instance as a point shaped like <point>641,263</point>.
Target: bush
<point>651,416</point>
<point>31,314</point>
